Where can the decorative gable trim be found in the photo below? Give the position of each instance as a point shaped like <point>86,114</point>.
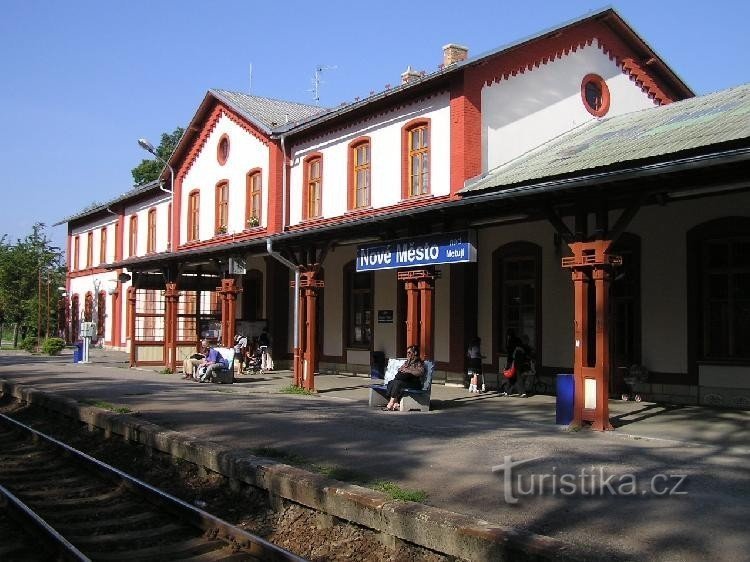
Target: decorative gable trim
<point>210,125</point>
<point>527,57</point>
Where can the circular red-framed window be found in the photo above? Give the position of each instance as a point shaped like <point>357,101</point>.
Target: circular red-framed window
<point>222,149</point>
<point>595,95</point>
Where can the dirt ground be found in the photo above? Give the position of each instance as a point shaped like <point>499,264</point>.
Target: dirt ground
<point>300,530</point>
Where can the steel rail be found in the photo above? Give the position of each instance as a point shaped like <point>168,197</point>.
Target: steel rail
<point>205,521</point>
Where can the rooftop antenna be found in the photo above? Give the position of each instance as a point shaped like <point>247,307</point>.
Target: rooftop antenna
<point>317,81</point>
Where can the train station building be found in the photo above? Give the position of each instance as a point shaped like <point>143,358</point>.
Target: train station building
<point>568,187</point>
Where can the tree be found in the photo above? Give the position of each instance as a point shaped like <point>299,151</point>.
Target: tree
<point>27,268</point>
<point>149,170</point>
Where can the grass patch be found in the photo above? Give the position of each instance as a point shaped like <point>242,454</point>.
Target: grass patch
<point>343,474</point>
<point>399,493</point>
<point>291,389</point>
<point>166,371</point>
<point>107,406</point>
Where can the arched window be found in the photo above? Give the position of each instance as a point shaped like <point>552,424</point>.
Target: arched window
<point>252,295</point>
<point>88,307</point>
<point>719,290</point>
<point>75,317</point>
<point>312,191</point>
<point>151,235</point>
<point>516,295</point>
<point>360,171</point>
<point>101,313</point>
<point>193,215</point>
<point>76,253</point>
<point>103,245</point>
<point>133,236</point>
<point>221,216</point>
<point>253,198</point>
<point>415,149</point>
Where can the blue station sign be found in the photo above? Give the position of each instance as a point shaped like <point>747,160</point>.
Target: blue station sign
<point>454,247</point>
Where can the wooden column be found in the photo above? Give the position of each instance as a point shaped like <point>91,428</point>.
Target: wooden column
<point>426,297</point>
<point>228,291</point>
<point>590,261</point>
<point>310,286</point>
<point>171,298</point>
<point>131,323</point>
<point>600,416</point>
<point>301,349</point>
<point>412,312</point>
<point>580,351</point>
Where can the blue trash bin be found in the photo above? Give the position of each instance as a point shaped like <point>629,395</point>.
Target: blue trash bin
<point>566,390</point>
<point>78,352</point>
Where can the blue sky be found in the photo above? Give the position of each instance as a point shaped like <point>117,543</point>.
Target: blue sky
<point>82,80</point>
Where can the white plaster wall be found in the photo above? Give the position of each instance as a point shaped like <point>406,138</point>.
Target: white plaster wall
<point>246,152</point>
<point>529,109</point>
<point>95,226</point>
<point>386,286</point>
<point>384,131</point>
<point>94,284</point>
<point>333,341</point>
<point>141,209</point>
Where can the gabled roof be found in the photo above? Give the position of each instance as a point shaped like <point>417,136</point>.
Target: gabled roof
<point>679,127</point>
<point>99,207</point>
<point>266,113</point>
<point>607,16</point>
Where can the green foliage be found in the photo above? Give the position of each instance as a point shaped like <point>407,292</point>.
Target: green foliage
<point>291,389</point>
<point>150,170</point>
<point>29,344</point>
<point>53,346</point>
<point>399,493</point>
<point>166,371</point>
<point>107,406</point>
<point>30,269</point>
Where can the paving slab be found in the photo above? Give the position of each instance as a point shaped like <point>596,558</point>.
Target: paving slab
<point>670,483</point>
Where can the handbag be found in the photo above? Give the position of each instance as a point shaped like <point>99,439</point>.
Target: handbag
<point>510,373</point>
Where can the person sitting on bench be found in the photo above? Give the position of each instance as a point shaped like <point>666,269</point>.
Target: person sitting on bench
<point>213,362</point>
<point>409,375</point>
<point>191,363</point>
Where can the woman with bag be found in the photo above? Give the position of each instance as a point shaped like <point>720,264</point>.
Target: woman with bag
<point>409,375</point>
<point>514,364</point>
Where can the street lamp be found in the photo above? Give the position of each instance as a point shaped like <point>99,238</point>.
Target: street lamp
<point>148,147</point>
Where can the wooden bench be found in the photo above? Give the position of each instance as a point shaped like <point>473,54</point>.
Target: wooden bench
<point>414,398</point>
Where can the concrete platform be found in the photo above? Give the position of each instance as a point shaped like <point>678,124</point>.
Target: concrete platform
<point>670,483</point>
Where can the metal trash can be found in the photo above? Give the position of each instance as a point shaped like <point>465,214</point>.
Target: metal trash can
<point>78,352</point>
<point>565,399</point>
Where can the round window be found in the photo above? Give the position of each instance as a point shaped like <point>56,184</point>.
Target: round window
<point>595,95</point>
<point>222,150</point>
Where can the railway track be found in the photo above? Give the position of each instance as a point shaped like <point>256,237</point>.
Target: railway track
<point>59,503</point>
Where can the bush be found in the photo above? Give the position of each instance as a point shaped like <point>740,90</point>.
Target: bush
<point>53,346</point>
<point>29,344</point>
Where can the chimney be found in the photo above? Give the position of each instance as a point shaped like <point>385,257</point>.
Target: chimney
<point>454,53</point>
<point>409,75</point>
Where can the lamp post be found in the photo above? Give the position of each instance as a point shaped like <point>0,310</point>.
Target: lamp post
<point>148,147</point>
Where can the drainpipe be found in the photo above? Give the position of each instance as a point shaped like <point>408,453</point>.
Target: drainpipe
<point>278,257</point>
<point>290,265</point>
